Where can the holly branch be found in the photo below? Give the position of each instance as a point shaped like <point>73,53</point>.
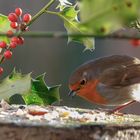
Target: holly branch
<point>18,26</point>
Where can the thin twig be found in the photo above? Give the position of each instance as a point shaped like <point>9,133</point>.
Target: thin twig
<point>65,35</point>
<point>43,10</point>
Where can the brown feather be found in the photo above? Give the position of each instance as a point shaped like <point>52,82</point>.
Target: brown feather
<point>121,75</point>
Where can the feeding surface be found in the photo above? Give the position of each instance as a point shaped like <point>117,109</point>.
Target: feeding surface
<point>61,116</point>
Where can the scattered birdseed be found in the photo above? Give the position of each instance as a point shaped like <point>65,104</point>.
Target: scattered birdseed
<point>60,116</point>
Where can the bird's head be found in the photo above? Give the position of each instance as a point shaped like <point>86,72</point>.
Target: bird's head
<point>81,80</point>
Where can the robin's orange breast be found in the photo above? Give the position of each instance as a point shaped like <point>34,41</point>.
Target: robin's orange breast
<point>90,93</point>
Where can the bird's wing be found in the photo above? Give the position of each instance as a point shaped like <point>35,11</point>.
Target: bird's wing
<point>121,75</point>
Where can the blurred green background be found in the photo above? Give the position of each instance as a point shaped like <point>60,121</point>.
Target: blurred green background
<point>54,56</point>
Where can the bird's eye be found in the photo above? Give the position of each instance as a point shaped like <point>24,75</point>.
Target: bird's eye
<point>83,82</point>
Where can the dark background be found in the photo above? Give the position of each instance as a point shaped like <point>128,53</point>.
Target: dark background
<point>54,56</point>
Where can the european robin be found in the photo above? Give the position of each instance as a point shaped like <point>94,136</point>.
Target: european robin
<point>110,81</point>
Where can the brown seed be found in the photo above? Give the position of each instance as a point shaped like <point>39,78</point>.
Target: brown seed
<point>115,8</point>
<point>102,29</point>
<point>129,4</point>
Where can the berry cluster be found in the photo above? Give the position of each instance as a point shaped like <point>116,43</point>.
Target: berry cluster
<point>18,23</point>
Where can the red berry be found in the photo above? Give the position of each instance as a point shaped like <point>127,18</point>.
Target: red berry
<point>20,40</point>
<point>8,54</point>
<point>14,25</point>
<point>12,17</point>
<point>10,33</point>
<point>3,44</point>
<point>18,11</point>
<point>135,42</point>
<point>15,39</point>
<point>1,70</point>
<point>13,45</point>
<point>27,18</point>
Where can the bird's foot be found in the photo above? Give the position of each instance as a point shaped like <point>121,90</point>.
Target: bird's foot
<point>112,112</point>
<point>116,110</point>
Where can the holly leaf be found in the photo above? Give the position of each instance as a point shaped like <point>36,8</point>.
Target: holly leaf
<point>16,99</point>
<point>62,4</point>
<point>33,98</point>
<point>41,94</point>
<point>16,83</point>
<point>101,20</point>
<point>22,89</point>
<point>72,25</point>
<point>4,27</point>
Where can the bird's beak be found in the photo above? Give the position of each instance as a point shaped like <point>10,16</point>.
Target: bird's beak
<point>72,93</point>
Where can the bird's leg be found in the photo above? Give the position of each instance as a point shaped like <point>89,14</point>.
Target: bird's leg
<point>122,107</point>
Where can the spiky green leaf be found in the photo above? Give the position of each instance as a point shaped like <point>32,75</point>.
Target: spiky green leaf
<point>72,25</point>
<point>22,89</point>
<point>4,27</point>
<point>41,94</point>
<point>16,83</point>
